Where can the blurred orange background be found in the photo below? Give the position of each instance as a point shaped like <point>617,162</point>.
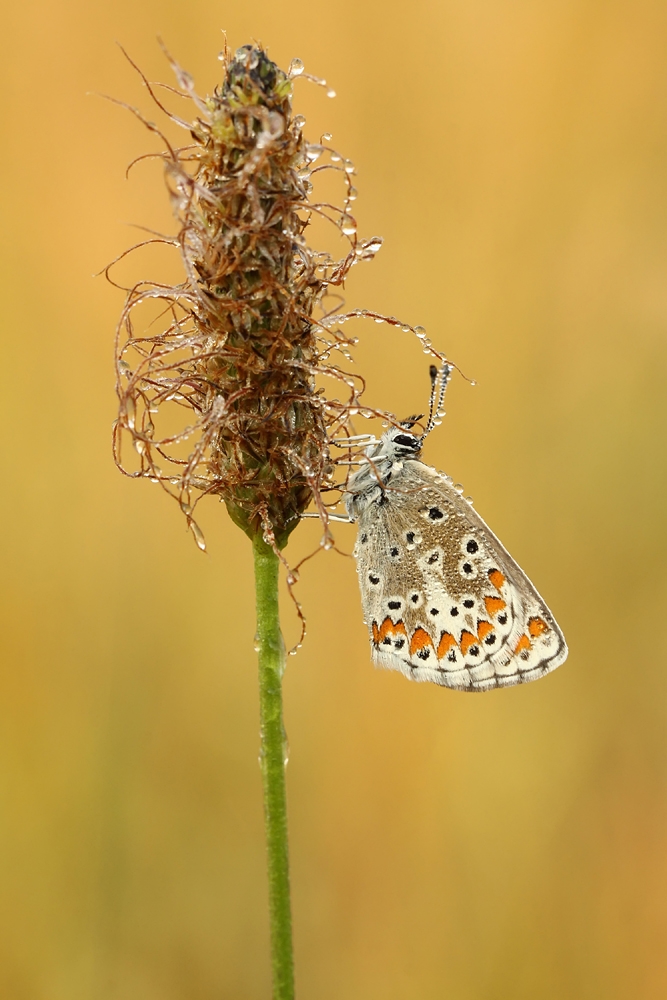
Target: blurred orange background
<point>514,157</point>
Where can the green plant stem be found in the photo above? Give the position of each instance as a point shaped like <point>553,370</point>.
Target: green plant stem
<point>273,759</point>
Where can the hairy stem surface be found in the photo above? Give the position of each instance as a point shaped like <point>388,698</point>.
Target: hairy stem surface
<point>272,759</point>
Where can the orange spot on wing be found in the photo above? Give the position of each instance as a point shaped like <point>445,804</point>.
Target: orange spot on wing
<point>467,640</point>
<point>376,633</point>
<point>419,639</point>
<point>388,628</point>
<point>494,605</point>
<point>536,626</point>
<point>496,578</point>
<point>483,629</point>
<point>445,644</point>
<point>523,643</point>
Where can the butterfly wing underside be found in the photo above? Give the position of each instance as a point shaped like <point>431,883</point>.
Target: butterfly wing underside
<point>442,598</point>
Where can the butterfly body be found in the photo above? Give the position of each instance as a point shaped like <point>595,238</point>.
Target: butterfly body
<point>442,598</point>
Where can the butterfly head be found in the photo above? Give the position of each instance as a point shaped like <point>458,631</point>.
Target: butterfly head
<point>383,458</point>
<point>397,445</point>
<point>400,442</point>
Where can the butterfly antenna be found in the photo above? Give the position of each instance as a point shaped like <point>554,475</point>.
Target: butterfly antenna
<point>433,372</point>
<point>439,381</point>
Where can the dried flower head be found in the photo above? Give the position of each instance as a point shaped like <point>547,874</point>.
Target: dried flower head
<point>247,332</point>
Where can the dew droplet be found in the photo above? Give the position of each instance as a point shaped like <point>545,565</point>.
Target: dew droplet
<point>374,244</point>
<point>420,332</point>
<point>473,382</point>
<point>458,487</point>
<point>348,225</point>
<point>199,535</point>
<point>296,67</point>
<point>469,500</point>
<point>299,121</point>
<point>349,167</point>
<point>124,368</point>
<point>326,137</point>
<point>336,157</point>
<point>331,92</point>
<point>352,194</point>
<point>140,446</point>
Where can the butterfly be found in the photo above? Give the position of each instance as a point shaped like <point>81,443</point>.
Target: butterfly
<point>442,598</point>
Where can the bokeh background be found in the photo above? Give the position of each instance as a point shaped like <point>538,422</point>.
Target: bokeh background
<point>514,157</point>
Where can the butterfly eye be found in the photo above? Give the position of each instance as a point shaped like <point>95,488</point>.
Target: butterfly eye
<point>406,441</point>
